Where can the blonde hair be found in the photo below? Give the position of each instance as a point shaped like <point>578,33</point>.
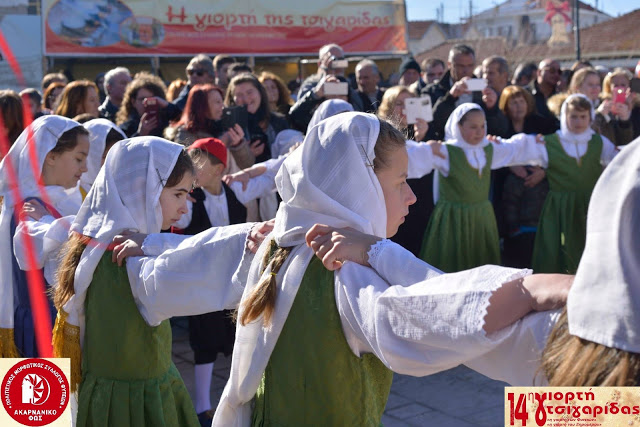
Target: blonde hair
<point>262,299</point>
<point>571,361</point>
<point>606,83</point>
<point>385,111</point>
<point>555,103</point>
<point>579,77</point>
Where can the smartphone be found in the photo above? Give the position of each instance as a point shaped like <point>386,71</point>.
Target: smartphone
<point>418,108</point>
<point>339,63</point>
<point>619,94</point>
<point>635,85</point>
<point>236,114</point>
<point>151,108</point>
<point>476,85</point>
<point>336,88</point>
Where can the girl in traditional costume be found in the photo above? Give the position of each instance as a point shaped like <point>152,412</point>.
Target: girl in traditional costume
<point>127,376</point>
<point>61,146</point>
<point>307,337</point>
<point>103,134</point>
<point>574,157</point>
<point>462,232</point>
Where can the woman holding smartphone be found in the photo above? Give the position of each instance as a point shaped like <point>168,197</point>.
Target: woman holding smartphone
<point>615,115</point>
<point>144,109</point>
<point>264,124</point>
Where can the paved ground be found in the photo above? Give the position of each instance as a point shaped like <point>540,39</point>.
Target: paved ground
<point>459,397</point>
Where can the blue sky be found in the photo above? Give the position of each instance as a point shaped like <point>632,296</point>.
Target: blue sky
<point>425,9</point>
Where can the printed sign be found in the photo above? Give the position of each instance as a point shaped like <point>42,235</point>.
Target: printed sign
<point>572,406</point>
<point>250,27</point>
<point>35,392</point>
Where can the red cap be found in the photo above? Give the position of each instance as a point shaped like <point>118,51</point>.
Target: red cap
<point>213,146</point>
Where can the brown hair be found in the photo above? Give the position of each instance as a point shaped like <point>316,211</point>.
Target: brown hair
<point>513,91</point>
<point>468,114</point>
<point>174,89</point>
<point>69,140</point>
<point>284,95</point>
<point>142,81</point>
<point>253,80</point>
<point>12,118</point>
<point>73,248</point>
<point>262,298</point>
<point>579,77</point>
<point>578,103</point>
<point>47,98</point>
<point>73,97</point>
<point>571,361</point>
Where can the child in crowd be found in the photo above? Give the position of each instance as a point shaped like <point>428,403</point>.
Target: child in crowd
<point>359,321</point>
<point>462,232</point>
<point>127,376</point>
<point>61,146</point>
<point>574,157</point>
<point>216,205</point>
<point>103,134</point>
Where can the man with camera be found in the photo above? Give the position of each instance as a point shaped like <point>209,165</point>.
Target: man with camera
<point>328,82</point>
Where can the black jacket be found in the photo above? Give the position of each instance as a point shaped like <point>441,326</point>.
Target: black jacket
<point>199,218</point>
<point>444,103</point>
<point>541,102</point>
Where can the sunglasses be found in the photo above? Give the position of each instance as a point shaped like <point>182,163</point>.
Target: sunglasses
<point>198,73</point>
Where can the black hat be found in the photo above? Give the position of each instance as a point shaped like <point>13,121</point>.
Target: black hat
<point>409,64</point>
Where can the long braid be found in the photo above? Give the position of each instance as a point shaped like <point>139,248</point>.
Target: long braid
<point>262,299</point>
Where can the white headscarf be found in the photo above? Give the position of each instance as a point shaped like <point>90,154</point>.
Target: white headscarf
<point>46,132</point>
<point>330,180</point>
<point>328,108</point>
<point>604,301</point>
<point>124,196</point>
<point>452,133</point>
<point>284,141</point>
<point>98,130</point>
<point>564,133</point>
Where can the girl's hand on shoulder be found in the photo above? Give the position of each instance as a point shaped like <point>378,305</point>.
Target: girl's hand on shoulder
<point>127,244</point>
<point>34,210</point>
<point>548,291</point>
<point>258,233</point>
<point>436,148</point>
<point>334,245</point>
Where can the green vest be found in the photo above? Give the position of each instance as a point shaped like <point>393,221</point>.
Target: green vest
<point>562,228</point>
<point>313,377</point>
<point>466,184</point>
<point>128,378</point>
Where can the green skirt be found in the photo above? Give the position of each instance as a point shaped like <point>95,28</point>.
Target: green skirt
<point>162,401</point>
<point>460,236</point>
<point>561,233</point>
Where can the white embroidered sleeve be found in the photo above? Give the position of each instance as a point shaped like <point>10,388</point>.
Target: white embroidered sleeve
<point>521,149</point>
<point>423,328</point>
<point>198,276</point>
<point>387,257</point>
<point>422,161</point>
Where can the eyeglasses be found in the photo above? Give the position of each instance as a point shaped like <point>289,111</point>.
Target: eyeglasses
<point>198,73</point>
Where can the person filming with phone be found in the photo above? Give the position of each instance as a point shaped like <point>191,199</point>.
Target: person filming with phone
<point>144,109</point>
<point>614,114</point>
<point>458,86</point>
<point>327,83</point>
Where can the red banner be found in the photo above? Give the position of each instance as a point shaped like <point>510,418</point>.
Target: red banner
<point>244,27</point>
